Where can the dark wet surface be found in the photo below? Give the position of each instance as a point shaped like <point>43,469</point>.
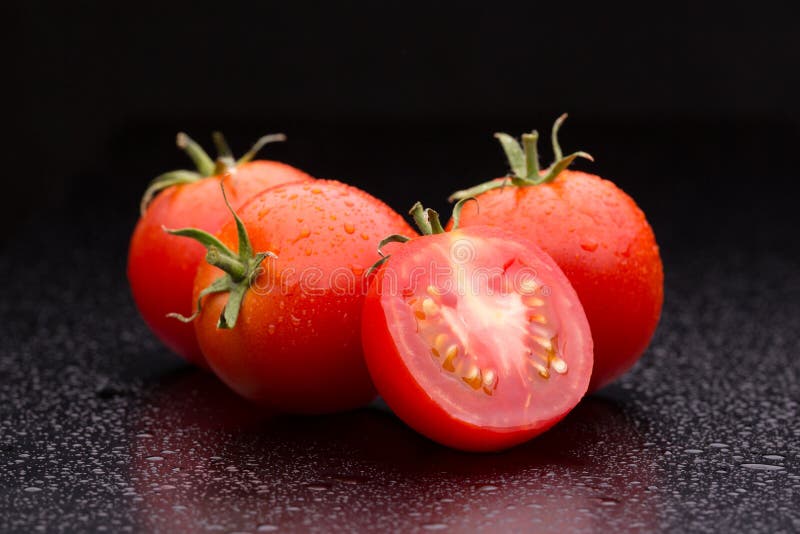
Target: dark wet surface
<point>101,429</point>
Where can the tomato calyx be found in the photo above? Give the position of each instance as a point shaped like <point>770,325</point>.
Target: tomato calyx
<point>428,222</point>
<point>241,269</point>
<point>524,162</point>
<point>204,166</point>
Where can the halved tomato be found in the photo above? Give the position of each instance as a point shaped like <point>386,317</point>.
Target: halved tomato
<point>475,338</point>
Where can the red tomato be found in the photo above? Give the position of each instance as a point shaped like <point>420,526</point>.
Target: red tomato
<point>475,338</point>
<point>161,267</point>
<point>295,344</point>
<point>600,239</point>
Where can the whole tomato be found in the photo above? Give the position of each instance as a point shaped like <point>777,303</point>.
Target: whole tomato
<point>597,235</point>
<point>161,267</point>
<point>279,320</point>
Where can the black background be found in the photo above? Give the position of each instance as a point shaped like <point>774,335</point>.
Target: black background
<point>692,109</point>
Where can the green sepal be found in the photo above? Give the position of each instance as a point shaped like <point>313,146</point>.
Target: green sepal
<point>230,313</point>
<point>456,217</point>
<point>223,283</point>
<point>245,247</point>
<point>205,166</point>
<point>514,153</point>
<point>375,266</point>
<point>562,164</point>
<point>258,145</point>
<point>204,238</point>
<point>241,268</point>
<point>168,179</point>
<point>202,161</point>
<point>394,238</point>
<point>524,163</point>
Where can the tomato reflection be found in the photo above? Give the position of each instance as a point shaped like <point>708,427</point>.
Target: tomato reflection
<point>204,458</point>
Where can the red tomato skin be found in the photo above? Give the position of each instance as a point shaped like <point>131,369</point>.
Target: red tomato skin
<point>412,404</point>
<point>602,241</point>
<point>295,350</point>
<point>162,267</point>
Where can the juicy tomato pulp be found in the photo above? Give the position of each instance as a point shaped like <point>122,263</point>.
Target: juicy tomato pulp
<point>476,339</point>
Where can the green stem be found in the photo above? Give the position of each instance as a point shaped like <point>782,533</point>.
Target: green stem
<point>529,142</point>
<point>421,219</point>
<point>225,161</point>
<point>436,224</point>
<point>233,266</point>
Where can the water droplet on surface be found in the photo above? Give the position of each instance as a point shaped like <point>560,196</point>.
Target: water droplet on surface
<point>763,467</point>
<point>271,329</point>
<point>349,228</point>
<point>266,528</point>
<point>488,487</point>
<point>434,526</point>
<point>155,458</point>
<point>589,245</point>
<point>776,457</point>
<point>32,489</point>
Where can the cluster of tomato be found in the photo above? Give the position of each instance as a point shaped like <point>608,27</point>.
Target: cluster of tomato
<point>311,296</point>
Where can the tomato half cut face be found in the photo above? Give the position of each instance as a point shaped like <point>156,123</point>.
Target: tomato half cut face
<point>476,339</point>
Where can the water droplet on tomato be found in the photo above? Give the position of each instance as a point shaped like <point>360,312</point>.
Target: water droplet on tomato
<point>271,329</point>
<point>589,245</point>
<point>349,228</point>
